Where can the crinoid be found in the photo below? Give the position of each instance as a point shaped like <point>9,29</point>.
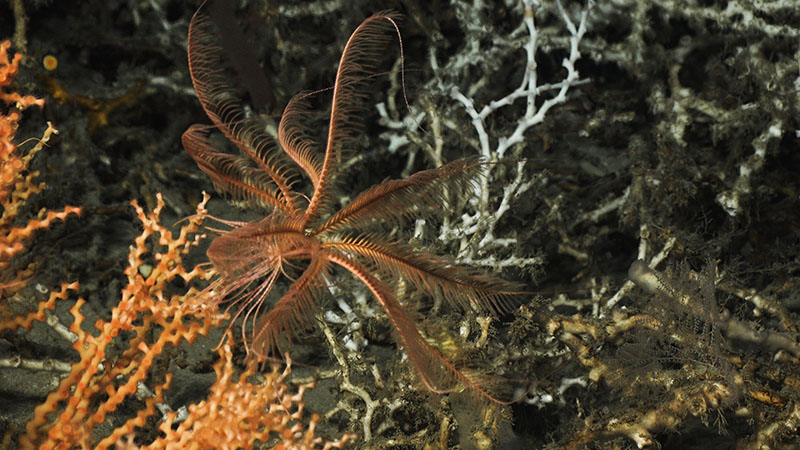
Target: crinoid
<point>302,237</point>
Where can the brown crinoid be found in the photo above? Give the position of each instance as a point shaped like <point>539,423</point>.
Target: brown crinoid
<point>302,237</point>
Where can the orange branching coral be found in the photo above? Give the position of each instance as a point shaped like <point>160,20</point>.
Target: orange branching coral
<point>13,322</point>
<point>240,412</point>
<point>144,322</point>
<point>8,69</point>
<point>16,183</point>
<point>118,362</point>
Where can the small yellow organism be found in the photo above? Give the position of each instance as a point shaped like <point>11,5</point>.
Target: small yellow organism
<point>50,62</point>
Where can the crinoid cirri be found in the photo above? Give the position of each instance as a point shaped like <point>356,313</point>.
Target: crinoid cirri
<point>302,237</point>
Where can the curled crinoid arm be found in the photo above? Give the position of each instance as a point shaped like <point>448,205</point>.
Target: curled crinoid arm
<point>296,138</point>
<point>231,173</point>
<point>210,71</point>
<point>359,60</point>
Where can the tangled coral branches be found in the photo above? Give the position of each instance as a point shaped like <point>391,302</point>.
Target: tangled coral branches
<point>11,164</point>
<point>8,70</point>
<point>142,324</point>
<point>239,412</point>
<point>16,184</point>
<point>119,363</point>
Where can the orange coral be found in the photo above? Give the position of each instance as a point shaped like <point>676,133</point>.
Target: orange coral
<point>148,317</point>
<point>238,411</point>
<point>16,184</point>
<point>8,70</point>
<point>11,163</point>
<point>98,383</point>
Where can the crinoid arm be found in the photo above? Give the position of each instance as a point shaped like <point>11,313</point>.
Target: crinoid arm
<point>432,275</point>
<point>251,258</point>
<point>359,60</point>
<point>211,75</point>
<point>436,372</point>
<point>234,174</point>
<point>398,200</point>
<point>294,311</point>
<point>295,137</point>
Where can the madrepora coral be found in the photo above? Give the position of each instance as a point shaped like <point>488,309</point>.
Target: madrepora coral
<point>117,357</point>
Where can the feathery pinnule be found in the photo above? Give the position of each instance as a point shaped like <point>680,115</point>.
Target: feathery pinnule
<point>209,69</point>
<point>359,58</point>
